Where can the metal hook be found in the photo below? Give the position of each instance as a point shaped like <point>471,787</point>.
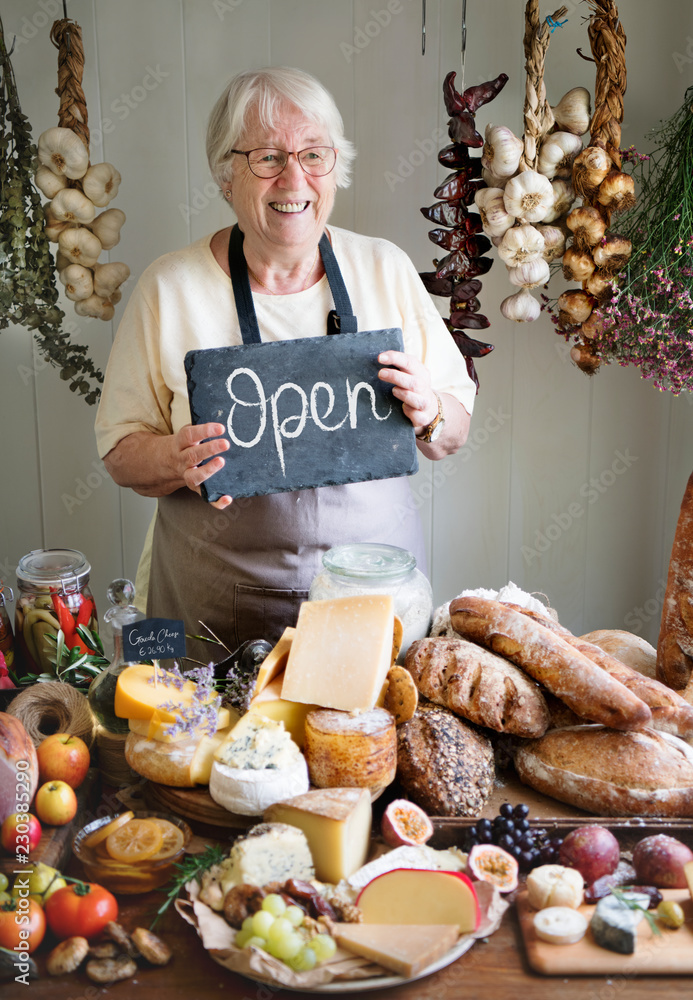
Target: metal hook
<point>423,27</point>
<point>463,44</point>
<point>12,47</point>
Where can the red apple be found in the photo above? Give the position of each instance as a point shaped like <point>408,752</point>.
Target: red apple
<point>55,803</point>
<point>20,834</point>
<point>62,757</point>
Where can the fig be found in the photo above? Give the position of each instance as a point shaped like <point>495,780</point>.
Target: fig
<point>405,824</point>
<point>659,861</point>
<point>488,863</point>
<point>593,850</point>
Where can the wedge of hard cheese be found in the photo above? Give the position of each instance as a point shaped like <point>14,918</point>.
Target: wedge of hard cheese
<point>183,764</point>
<point>270,704</point>
<point>162,730</point>
<point>337,825</point>
<point>405,949</point>
<point>141,691</point>
<point>275,661</point>
<point>421,897</point>
<point>341,652</point>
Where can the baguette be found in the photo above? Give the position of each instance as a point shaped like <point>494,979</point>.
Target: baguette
<point>627,647</point>
<point>478,685</point>
<point>548,658</point>
<point>670,712</point>
<point>675,646</point>
<point>611,773</point>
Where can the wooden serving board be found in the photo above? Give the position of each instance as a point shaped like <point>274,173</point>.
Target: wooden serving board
<point>668,953</point>
<point>55,846</point>
<point>196,806</point>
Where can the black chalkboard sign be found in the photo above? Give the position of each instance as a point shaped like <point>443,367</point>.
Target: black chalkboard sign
<point>153,639</point>
<point>302,413</point>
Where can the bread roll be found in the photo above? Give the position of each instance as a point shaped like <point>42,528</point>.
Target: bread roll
<point>165,763</point>
<point>549,659</point>
<point>670,712</point>
<point>675,646</point>
<point>611,773</point>
<point>478,685</point>
<point>627,647</point>
<point>443,764</point>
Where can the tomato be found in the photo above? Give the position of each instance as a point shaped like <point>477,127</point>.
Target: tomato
<point>81,909</point>
<point>22,925</point>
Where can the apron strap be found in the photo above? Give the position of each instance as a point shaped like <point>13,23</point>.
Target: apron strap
<point>340,320</point>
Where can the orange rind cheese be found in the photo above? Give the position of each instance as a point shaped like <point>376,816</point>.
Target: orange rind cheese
<point>414,896</point>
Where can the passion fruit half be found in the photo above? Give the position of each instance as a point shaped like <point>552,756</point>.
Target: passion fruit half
<point>489,863</point>
<point>405,823</point>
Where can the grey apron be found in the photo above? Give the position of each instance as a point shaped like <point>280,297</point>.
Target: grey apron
<point>244,571</point>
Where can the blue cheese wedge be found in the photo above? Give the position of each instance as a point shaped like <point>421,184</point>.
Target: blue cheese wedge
<point>614,924</point>
<point>258,765</point>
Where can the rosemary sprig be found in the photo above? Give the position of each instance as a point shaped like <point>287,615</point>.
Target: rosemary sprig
<point>193,867</point>
<point>633,904</point>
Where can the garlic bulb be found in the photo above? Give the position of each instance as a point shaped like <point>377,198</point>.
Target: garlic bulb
<point>107,227</point>
<point>49,183</point>
<point>494,217</point>
<point>95,307</point>
<point>63,152</point>
<point>109,277</point>
<point>79,245</point>
<point>61,261</point>
<point>101,183</point>
<point>115,297</point>
<point>572,113</point>
<point>554,242</point>
<point>78,282</point>
<point>563,198</point>
<point>574,307</point>
<point>599,285</point>
<point>53,227</point>
<point>612,254</point>
<point>590,167</point>
<point>577,264</point>
<point>70,205</point>
<point>490,180</point>
<point>594,325</point>
<point>531,274</point>
<point>557,153</point>
<point>587,226</point>
<point>502,151</point>
<point>528,196</point>
<point>520,244</point>
<point>583,356</point>
<point>521,307</point>
<point>617,191</point>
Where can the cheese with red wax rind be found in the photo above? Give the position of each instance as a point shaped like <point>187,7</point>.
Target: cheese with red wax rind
<point>275,661</point>
<point>405,949</point>
<point>421,897</point>
<point>341,652</point>
<point>139,693</point>
<point>271,705</point>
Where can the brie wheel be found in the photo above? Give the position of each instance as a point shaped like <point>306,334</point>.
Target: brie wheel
<point>248,791</point>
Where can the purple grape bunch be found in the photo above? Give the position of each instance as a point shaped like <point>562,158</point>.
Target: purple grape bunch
<point>511,830</point>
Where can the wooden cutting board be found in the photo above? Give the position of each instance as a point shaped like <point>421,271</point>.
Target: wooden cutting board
<point>196,806</point>
<point>55,846</point>
<point>670,953</point>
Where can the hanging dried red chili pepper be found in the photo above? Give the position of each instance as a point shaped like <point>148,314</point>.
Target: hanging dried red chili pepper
<point>454,274</point>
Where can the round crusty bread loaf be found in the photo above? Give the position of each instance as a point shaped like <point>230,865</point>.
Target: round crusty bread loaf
<point>609,772</point>
<point>444,764</point>
<point>627,647</point>
<point>165,763</point>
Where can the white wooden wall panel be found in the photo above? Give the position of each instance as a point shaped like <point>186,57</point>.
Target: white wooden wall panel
<point>541,429</point>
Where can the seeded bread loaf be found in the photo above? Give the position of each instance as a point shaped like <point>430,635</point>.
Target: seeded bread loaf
<point>443,764</point>
<point>675,646</point>
<point>548,658</point>
<point>611,773</point>
<point>478,685</point>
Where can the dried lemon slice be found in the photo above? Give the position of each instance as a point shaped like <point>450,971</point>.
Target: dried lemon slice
<point>173,839</point>
<point>98,836</point>
<point>135,841</point>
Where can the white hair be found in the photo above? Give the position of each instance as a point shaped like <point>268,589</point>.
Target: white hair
<point>267,91</point>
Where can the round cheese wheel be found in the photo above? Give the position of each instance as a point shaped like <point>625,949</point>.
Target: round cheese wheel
<point>165,763</point>
<point>249,791</point>
<point>345,750</point>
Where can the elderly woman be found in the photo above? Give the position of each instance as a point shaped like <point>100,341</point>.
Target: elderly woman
<point>277,149</point>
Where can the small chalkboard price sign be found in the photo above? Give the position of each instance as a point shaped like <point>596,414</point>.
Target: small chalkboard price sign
<point>153,639</point>
<point>301,413</point>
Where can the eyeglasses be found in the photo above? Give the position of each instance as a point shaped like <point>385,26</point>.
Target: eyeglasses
<point>315,160</point>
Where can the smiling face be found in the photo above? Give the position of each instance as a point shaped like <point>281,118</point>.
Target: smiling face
<point>287,212</point>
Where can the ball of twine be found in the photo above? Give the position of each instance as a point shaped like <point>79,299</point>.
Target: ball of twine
<point>53,707</point>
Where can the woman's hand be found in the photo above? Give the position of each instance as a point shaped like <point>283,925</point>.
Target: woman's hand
<point>156,465</point>
<point>412,385</point>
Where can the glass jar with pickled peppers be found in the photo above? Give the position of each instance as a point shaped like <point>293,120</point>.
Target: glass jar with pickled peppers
<point>54,599</point>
